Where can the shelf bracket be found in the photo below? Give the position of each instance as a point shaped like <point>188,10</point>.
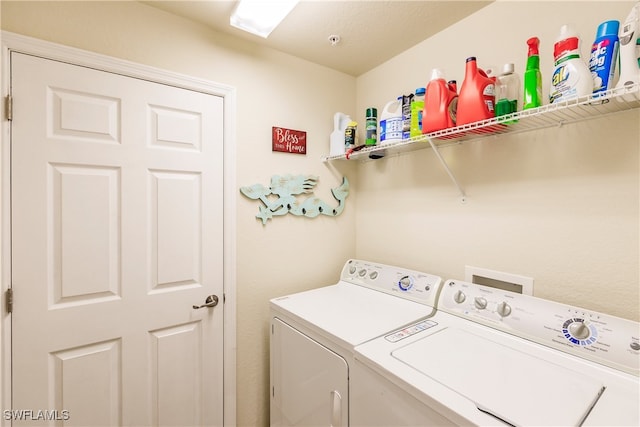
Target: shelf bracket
<point>463,196</point>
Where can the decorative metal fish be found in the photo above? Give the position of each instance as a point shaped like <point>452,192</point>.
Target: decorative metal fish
<point>286,188</point>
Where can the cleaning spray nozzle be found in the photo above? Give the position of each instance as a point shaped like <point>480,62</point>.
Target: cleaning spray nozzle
<point>533,43</point>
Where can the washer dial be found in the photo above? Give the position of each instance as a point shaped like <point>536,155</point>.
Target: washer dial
<point>480,303</point>
<point>503,309</point>
<point>459,297</point>
<point>579,332</point>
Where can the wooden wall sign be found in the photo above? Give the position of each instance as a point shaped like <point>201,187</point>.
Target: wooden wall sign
<point>288,140</point>
<point>285,196</point>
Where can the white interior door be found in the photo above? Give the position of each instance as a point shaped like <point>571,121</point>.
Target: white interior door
<point>117,225</point>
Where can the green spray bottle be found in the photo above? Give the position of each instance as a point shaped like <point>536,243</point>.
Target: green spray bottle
<point>532,77</point>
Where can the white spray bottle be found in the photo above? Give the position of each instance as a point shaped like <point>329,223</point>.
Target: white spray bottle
<point>336,140</point>
<point>629,36</point>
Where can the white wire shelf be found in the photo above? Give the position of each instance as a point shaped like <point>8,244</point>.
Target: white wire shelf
<point>557,114</point>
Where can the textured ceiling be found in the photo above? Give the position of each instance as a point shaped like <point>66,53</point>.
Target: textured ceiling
<point>371,31</point>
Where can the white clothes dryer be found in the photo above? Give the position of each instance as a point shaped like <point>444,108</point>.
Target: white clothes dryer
<point>492,357</point>
<point>313,335</point>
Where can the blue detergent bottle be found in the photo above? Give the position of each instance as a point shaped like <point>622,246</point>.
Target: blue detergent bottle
<point>604,56</point>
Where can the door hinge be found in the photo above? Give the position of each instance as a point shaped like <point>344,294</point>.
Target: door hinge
<point>8,107</point>
<point>9,300</point>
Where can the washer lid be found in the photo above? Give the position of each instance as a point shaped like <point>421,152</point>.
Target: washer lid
<point>513,386</point>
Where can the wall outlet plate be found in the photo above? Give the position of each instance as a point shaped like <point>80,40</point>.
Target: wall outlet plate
<point>498,279</point>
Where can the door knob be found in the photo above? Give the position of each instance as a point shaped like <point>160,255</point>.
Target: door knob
<point>211,301</point>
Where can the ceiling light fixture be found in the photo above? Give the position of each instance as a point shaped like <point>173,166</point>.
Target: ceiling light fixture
<point>260,17</point>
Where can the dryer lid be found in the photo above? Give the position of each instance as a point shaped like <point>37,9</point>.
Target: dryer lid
<point>350,313</point>
<point>514,386</point>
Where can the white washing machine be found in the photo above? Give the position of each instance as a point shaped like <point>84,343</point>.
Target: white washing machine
<point>313,335</point>
<point>491,357</point>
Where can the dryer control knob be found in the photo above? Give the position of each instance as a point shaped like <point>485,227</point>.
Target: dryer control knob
<point>405,283</point>
<point>503,309</point>
<point>459,297</point>
<point>480,303</point>
<point>579,330</point>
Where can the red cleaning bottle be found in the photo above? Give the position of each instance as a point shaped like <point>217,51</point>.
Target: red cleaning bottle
<point>477,95</point>
<point>439,104</point>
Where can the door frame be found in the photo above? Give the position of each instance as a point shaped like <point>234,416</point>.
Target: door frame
<point>12,42</point>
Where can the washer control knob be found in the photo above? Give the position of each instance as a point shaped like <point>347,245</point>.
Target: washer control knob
<point>459,297</point>
<point>503,309</point>
<point>480,303</point>
<point>405,283</point>
<point>373,275</point>
<point>635,346</point>
<point>352,269</point>
<point>362,273</point>
<point>579,330</point>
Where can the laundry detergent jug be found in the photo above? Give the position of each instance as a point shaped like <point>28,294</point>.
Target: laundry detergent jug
<point>440,104</point>
<point>391,122</point>
<point>571,76</point>
<point>476,101</point>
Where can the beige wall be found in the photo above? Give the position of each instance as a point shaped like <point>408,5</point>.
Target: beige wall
<point>273,89</point>
<point>559,205</point>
